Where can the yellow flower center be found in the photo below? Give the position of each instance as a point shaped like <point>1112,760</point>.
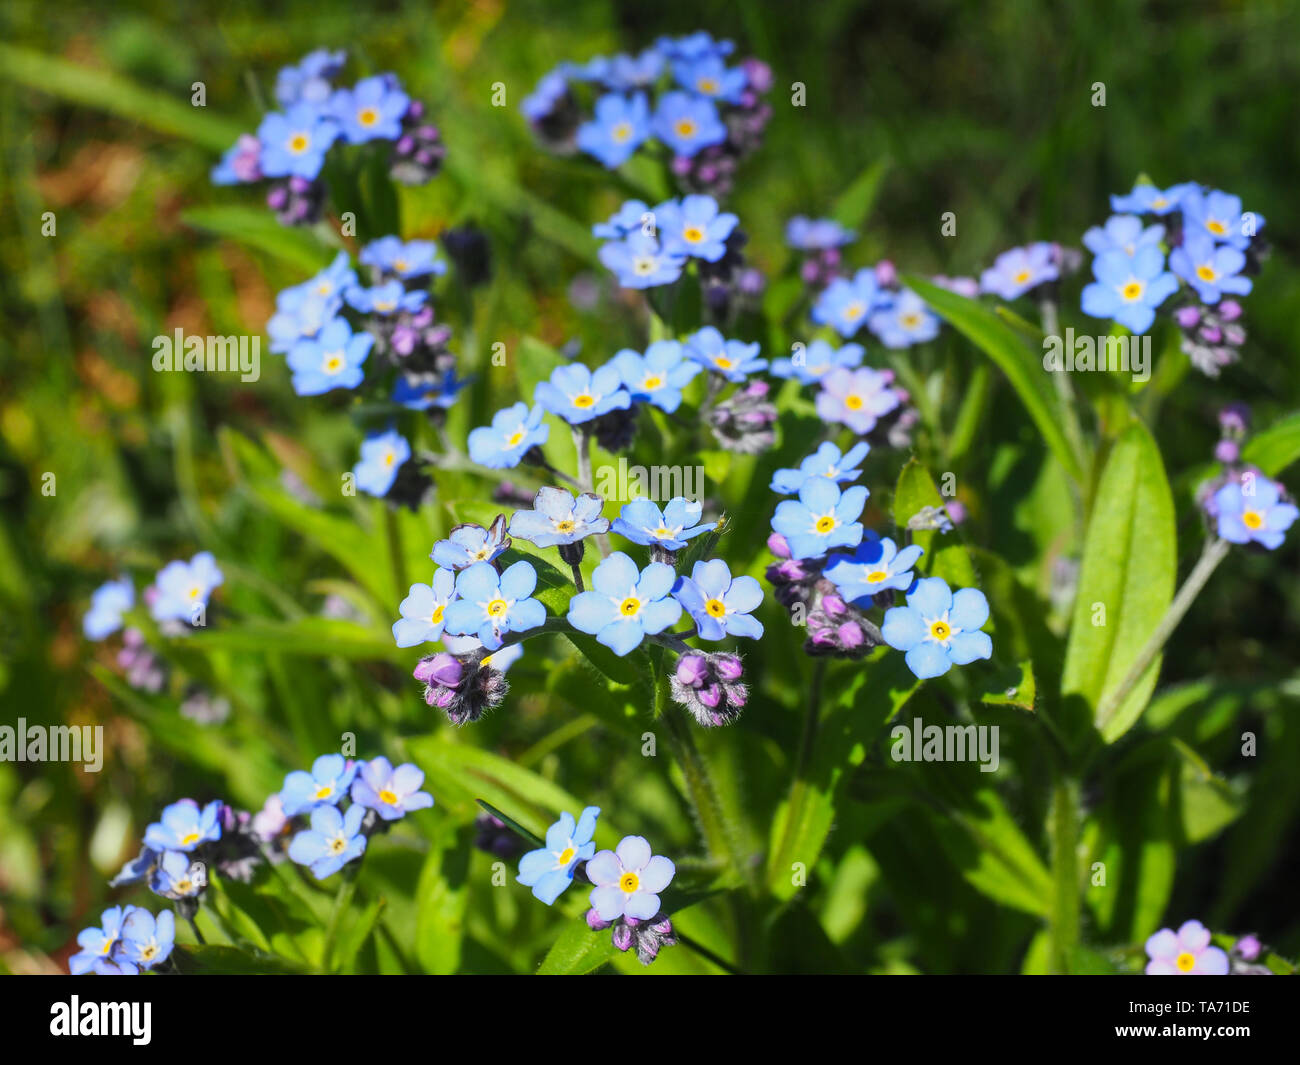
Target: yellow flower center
<point>195,591</point>
<point>708,86</point>
<point>853,401</point>
<point>1216,227</point>
<point>693,234</point>
<point>333,363</point>
<point>388,797</point>
<point>910,321</point>
<point>513,439</point>
<point>368,116</point>
<point>652,382</point>
<point>1205,273</point>
<point>184,885</point>
<point>1159,201</point>
<point>1132,291</point>
<point>643,266</point>
<point>715,608</point>
<point>629,882</point>
<point>188,838</point>
<point>825,523</point>
<point>1021,277</point>
<point>384,306</point>
<point>876,576</point>
<point>566,855</point>
<point>722,362</point>
<point>1186,962</point>
<point>298,143</point>
<point>401,265</point>
<point>630,606</point>
<point>389,458</point>
<point>663,533</point>
<point>565,526</point>
<point>325,288</point>
<point>685,127</point>
<point>338,845</point>
<point>148,952</point>
<point>496,608</point>
<point>940,630</point>
<point>436,616</point>
<point>584,401</point>
<point>325,791</point>
<point>854,311</point>
<point>1252,519</point>
<point>621,132</point>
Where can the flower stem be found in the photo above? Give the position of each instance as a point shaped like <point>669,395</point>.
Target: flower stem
<point>1069,415</point>
<point>342,901</point>
<point>1211,555</point>
<point>577,577</point>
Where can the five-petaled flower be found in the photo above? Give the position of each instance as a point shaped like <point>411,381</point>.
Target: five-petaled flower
<point>331,359</point>
<point>333,840</point>
<point>1186,952</point>
<point>147,940</point>
<point>642,522</point>
<point>549,870</point>
<point>1129,287</point>
<point>423,610</point>
<point>559,518</point>
<point>874,566</point>
<point>856,398</point>
<point>184,826</point>
<point>695,227</point>
<point>846,305</point>
<point>624,605</point>
<point>491,604</point>
<point>826,462</point>
<point>382,455</point>
<point>822,518</point>
<point>469,543</point>
<point>514,431</point>
<point>938,628</point>
<point>628,880</point>
<point>390,792</point>
<point>182,588</point>
<point>325,785</point>
<point>658,376</point>
<point>734,359</point>
<point>1211,269</point>
<point>620,125</point>
<point>718,603</point>
<point>1260,517</point>
<point>578,394</point>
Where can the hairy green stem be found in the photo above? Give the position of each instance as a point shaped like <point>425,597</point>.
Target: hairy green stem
<point>703,793</point>
<point>1069,414</point>
<point>1064,834</point>
<point>1211,555</point>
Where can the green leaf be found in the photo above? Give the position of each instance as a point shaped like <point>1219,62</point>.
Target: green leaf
<point>103,90</point>
<point>442,897</point>
<point>1015,687</point>
<point>229,961</point>
<point>854,204</point>
<point>257,227</point>
<point>878,688</point>
<point>312,635</point>
<point>993,854</point>
<point>1009,352</point>
<point>1129,563</point>
<point>1276,447</point>
<point>578,950</point>
<point>951,561</point>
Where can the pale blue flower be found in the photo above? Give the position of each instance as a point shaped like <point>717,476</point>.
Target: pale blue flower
<point>549,870</point>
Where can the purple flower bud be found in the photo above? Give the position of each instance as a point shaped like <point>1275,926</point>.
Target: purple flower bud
<point>442,668</point>
<point>777,545</point>
<point>692,670</point>
<point>711,696</point>
<point>810,271</point>
<point>681,166</point>
<point>416,110</point>
<point>622,936</point>
<point>758,73</point>
<point>1227,451</point>
<point>1187,317</point>
<point>956,511</point>
<point>1211,334</point>
<point>729,668</point>
<point>851,635</point>
<point>834,606</point>
<point>595,923</point>
<point>886,273</point>
<point>405,145</point>
<point>1249,947</point>
<point>1229,310</point>
<point>1234,418</point>
<point>277,197</point>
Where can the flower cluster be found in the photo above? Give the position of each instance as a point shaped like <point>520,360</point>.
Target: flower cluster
<point>1241,503</point>
<point>488,605</point>
<point>626,882</point>
<point>177,600</point>
<point>651,247</point>
<point>292,145</point>
<point>831,572</point>
<point>338,332</point>
<point>379,793</point>
<point>679,92</point>
<point>127,939</point>
<point>1213,248</point>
